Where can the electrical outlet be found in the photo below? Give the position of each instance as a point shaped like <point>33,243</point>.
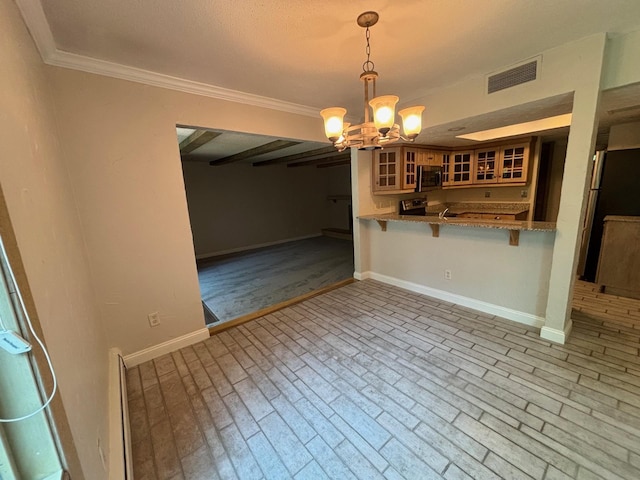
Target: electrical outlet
<point>447,274</point>
<point>487,194</point>
<point>154,319</point>
<point>523,193</point>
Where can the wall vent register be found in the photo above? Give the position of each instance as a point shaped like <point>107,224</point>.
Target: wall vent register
<point>512,77</point>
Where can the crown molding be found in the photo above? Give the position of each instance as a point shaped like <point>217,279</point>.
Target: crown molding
<point>147,77</point>
<point>36,22</point>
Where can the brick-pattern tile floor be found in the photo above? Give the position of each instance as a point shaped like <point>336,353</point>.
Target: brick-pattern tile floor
<point>372,381</point>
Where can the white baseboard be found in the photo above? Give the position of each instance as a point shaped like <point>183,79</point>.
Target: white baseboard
<point>361,275</point>
<point>555,335</point>
<point>485,307</point>
<point>169,346</point>
<point>253,247</point>
<point>119,433</point>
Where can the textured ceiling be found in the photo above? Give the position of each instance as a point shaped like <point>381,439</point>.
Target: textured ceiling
<point>311,52</point>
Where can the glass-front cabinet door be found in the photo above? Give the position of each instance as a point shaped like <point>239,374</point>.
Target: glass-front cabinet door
<point>409,168</point>
<point>446,169</point>
<point>486,167</point>
<point>460,172</point>
<point>386,173</point>
<point>513,164</point>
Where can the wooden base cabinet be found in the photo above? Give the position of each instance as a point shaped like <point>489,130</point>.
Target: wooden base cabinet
<point>495,216</point>
<point>619,262</point>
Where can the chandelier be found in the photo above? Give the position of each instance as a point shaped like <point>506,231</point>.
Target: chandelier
<point>382,130</point>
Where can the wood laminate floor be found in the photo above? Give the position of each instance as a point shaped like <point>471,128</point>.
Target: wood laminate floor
<point>371,381</point>
<point>239,284</point>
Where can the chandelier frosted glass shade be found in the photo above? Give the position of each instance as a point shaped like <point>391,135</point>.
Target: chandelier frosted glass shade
<point>411,121</point>
<point>333,122</point>
<point>379,127</point>
<point>384,115</point>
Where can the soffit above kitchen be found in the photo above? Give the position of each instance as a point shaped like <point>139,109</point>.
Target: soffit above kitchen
<point>621,105</point>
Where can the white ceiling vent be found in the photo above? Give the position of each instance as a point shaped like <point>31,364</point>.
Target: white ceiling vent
<point>523,73</point>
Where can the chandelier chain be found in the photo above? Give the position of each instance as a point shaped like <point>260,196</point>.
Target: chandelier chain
<point>368,66</point>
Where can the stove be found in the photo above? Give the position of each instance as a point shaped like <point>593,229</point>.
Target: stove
<point>413,206</point>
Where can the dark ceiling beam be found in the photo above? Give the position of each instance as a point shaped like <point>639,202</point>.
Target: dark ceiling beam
<point>335,158</point>
<point>254,152</point>
<point>298,156</point>
<point>334,164</point>
<point>196,140</point>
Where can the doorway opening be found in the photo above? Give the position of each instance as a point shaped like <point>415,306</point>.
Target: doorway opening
<point>271,220</point>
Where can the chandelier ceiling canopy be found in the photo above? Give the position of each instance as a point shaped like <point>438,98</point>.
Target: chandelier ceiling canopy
<point>382,129</point>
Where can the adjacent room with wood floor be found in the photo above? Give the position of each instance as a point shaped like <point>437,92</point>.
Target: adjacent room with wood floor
<point>271,220</point>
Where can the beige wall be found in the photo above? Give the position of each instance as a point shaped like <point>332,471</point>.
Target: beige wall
<point>555,181</point>
<point>625,136</point>
<point>43,214</point>
<point>125,170</point>
<point>621,61</point>
<point>238,206</point>
<point>339,183</point>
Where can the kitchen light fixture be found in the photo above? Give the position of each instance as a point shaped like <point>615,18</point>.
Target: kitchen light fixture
<point>541,125</point>
<point>383,129</point>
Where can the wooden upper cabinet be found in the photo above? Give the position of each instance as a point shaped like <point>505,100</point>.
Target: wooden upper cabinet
<point>514,163</point>
<point>491,165</point>
<point>460,171</point>
<point>409,163</point>
<point>486,166</point>
<point>445,163</point>
<point>387,170</point>
<point>429,158</point>
<point>395,169</point>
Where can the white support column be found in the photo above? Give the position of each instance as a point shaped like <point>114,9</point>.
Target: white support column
<point>361,204</point>
<point>575,183</point>
<point>355,209</point>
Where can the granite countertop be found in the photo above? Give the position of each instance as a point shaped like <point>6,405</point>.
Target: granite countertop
<point>465,222</point>
<point>481,207</point>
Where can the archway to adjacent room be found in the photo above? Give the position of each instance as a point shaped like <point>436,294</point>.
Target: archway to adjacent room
<point>270,218</point>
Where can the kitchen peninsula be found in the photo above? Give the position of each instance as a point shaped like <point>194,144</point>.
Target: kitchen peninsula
<point>514,226</point>
<point>499,215</point>
<point>467,255</point>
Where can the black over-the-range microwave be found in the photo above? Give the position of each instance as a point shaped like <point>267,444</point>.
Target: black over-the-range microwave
<point>429,177</point>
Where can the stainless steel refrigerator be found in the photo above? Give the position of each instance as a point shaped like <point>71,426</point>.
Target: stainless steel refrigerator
<point>615,190</point>
<point>592,198</point>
